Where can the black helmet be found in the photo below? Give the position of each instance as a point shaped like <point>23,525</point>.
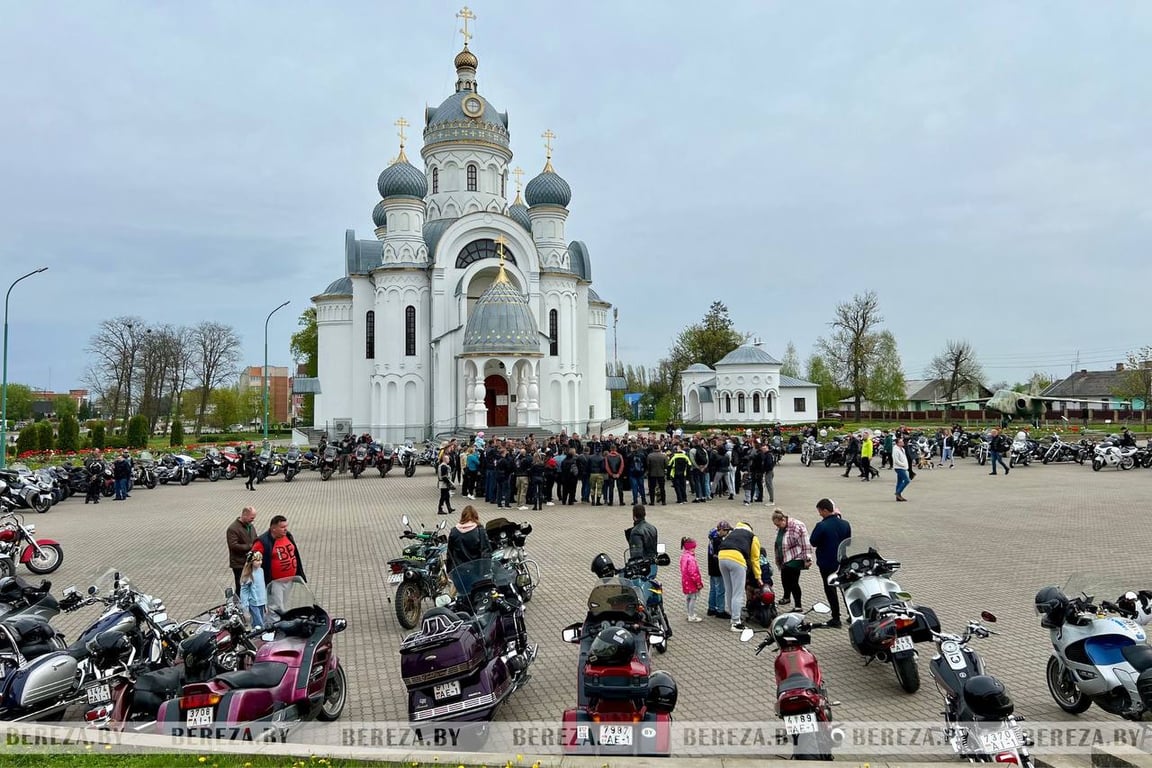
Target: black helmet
<point>986,697</point>
<point>603,566</point>
<point>662,693</point>
<point>1051,603</point>
<point>790,629</point>
<point>614,645</point>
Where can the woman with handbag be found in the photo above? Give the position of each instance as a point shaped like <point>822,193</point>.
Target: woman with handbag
<point>793,555</point>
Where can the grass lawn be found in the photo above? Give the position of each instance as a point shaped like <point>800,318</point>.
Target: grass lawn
<point>12,759</point>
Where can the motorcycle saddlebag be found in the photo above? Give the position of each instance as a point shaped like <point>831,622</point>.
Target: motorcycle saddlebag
<point>154,688</point>
<point>925,625</point>
<point>446,647</point>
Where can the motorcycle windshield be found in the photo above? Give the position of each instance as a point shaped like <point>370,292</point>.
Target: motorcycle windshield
<point>500,528</point>
<point>146,457</point>
<point>293,453</point>
<point>298,600</point>
<point>473,580</point>
<point>330,452</point>
<point>213,453</point>
<point>856,545</point>
<point>615,596</point>
<point>362,452</point>
<point>1093,587</point>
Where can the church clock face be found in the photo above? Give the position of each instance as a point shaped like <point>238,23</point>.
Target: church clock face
<point>473,106</point>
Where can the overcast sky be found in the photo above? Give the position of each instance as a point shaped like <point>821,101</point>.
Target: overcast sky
<point>983,166</point>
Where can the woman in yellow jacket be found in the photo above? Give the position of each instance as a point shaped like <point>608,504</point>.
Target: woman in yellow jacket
<point>738,551</point>
<point>866,470</point>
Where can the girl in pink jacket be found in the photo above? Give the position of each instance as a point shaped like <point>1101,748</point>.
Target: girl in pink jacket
<point>690,579</point>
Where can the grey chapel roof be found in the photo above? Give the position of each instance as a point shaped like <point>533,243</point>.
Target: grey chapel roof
<point>748,354</point>
<point>580,261</point>
<point>379,215</point>
<point>501,322</point>
<point>697,368</point>
<point>341,286</point>
<point>518,212</point>
<point>791,381</point>
<point>433,230</point>
<point>448,122</point>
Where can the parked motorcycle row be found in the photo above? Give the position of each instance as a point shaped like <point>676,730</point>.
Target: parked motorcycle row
<point>135,668</point>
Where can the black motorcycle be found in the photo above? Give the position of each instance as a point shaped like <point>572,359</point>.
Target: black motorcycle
<point>329,462</point>
<point>419,574</point>
<point>291,463</point>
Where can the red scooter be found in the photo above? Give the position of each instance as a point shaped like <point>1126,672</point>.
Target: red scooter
<point>801,700</point>
<point>295,676</point>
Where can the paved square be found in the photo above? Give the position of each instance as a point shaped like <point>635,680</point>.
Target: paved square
<point>968,542</point>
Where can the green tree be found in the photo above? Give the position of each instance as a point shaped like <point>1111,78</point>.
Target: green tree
<point>790,365</point>
<point>305,347</point>
<point>1136,382</point>
<point>228,407</point>
<point>63,405</point>
<point>177,437</point>
<point>704,342</point>
<point>29,439</point>
<point>19,402</point>
<point>84,412</point>
<point>851,348</point>
<point>828,391</point>
<point>97,435</point>
<point>138,431</point>
<point>46,436</point>
<point>886,380</point>
<point>68,436</point>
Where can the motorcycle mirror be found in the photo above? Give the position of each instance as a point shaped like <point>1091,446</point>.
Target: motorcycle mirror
<point>339,625</point>
<point>663,559</point>
<point>661,549</point>
<point>442,525</point>
<point>571,633</point>
<point>443,601</point>
<point>988,616</point>
<point>821,608</point>
<point>904,595</point>
<point>833,580</point>
<point>404,520</point>
<point>69,591</point>
<point>92,589</point>
<point>228,593</point>
<point>655,638</point>
<point>746,635</point>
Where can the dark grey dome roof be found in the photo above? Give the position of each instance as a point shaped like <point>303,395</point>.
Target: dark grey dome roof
<point>548,189</point>
<point>518,212</point>
<point>581,264</point>
<point>448,122</point>
<point>697,368</point>
<point>402,179</point>
<point>341,286</point>
<point>748,354</point>
<point>501,322</point>
<point>379,216</point>
<point>433,230</point>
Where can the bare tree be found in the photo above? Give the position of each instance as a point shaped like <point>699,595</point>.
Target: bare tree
<point>111,372</point>
<point>958,367</point>
<point>1136,383</point>
<point>215,357</point>
<point>851,349</point>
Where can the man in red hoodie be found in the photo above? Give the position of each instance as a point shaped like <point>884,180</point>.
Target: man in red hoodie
<point>282,561</point>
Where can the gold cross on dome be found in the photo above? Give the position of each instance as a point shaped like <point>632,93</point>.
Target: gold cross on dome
<point>401,124</point>
<point>467,15</point>
<point>517,172</point>
<point>548,136</point>
<point>500,241</point>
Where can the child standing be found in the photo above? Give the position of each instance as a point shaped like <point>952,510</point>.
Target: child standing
<point>690,579</point>
<point>746,484</point>
<point>253,593</point>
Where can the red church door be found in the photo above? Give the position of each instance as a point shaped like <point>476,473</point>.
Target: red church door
<point>496,400</point>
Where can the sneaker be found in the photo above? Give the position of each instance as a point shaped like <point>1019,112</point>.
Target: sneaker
<point>522,508</point>
<point>745,503</point>
<point>711,611</point>
<point>738,627</point>
<point>724,615</point>
<point>785,601</point>
<point>833,623</point>
<point>550,504</point>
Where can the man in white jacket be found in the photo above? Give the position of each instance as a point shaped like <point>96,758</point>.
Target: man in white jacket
<point>900,465</point>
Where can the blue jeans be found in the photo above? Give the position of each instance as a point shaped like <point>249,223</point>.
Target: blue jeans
<point>716,594</point>
<point>998,457</point>
<point>609,489</point>
<point>121,488</point>
<point>638,491</point>
<point>902,481</point>
<point>490,486</point>
<point>502,490</point>
<point>946,456</point>
<point>585,488</point>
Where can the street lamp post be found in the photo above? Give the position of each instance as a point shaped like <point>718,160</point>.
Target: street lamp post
<point>266,368</point>
<point>4,383</point>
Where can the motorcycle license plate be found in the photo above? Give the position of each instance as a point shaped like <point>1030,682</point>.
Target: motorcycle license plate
<point>999,741</point>
<point>446,690</point>
<point>395,578</point>
<point>797,724</point>
<point>902,644</point>
<point>200,716</point>
<point>98,694</point>
<point>616,735</point>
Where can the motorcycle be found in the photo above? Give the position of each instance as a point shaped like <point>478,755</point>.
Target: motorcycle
<point>508,539</point>
<point>834,454</point>
<point>211,466</point>
<point>419,573</point>
<point>983,451</point>
<point>291,463</point>
<point>470,654</point>
<point>1108,454</point>
<point>232,462</point>
<point>427,456</point>
<point>808,451</point>
<point>22,491</point>
<point>329,461</point>
<point>40,556</point>
<point>295,676</point>
<point>1099,651</point>
<point>1021,454</point>
<point>185,468</point>
<point>144,470</point>
<point>384,459</point>
<point>977,710</point>
<point>761,603</point>
<point>19,598</point>
<point>802,701</point>
<point>406,457</point>
<point>623,706</point>
<point>1059,451</point>
<point>883,622</point>
<point>358,460</point>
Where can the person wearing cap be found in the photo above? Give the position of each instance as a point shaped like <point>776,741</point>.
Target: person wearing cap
<point>825,538</point>
<point>716,605</point>
<point>739,552</point>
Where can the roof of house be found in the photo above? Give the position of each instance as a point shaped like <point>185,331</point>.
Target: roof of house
<point>1093,384</point>
<point>748,354</point>
<point>790,381</point>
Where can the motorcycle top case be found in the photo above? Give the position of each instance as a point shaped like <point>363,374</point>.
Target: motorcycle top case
<point>445,648</point>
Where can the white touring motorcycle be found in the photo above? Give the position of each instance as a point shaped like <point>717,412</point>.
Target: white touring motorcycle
<point>1099,653</point>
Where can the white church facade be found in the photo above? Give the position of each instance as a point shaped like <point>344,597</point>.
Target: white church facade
<point>464,312</point>
<point>746,387</point>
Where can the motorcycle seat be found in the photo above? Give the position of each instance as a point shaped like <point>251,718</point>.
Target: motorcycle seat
<point>262,674</point>
<point>1139,656</point>
<point>77,650</point>
<point>796,682</point>
<point>877,603</point>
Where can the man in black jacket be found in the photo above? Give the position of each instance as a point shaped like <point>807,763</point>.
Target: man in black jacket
<point>642,535</point>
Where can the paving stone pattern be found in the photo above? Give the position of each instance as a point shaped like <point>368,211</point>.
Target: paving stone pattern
<point>968,542</point>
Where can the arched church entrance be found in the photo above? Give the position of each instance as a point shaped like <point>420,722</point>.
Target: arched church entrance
<point>496,400</point>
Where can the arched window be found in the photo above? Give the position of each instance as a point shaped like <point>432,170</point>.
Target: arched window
<point>370,335</point>
<point>727,403</point>
<point>553,333</point>
<point>471,177</point>
<point>755,402</point>
<point>410,331</point>
<point>740,403</point>
<point>481,249</point>
<point>435,180</point>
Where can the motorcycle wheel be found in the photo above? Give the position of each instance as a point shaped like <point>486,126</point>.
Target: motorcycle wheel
<point>408,603</point>
<point>150,484</point>
<point>335,694</point>
<point>409,470</point>
<point>7,567</point>
<point>214,475</point>
<point>52,559</point>
<point>828,462</point>
<point>41,503</point>
<point>907,674</point>
<point>107,491</point>
<point>806,460</point>
<point>1127,463</point>
<point>355,474</point>
<point>164,481</point>
<point>1063,688</point>
<point>185,478</point>
<point>325,473</point>
<point>528,576</point>
<point>1096,465</point>
<point>288,475</point>
<point>230,473</point>
<point>383,471</point>
<point>982,459</point>
<point>1045,459</point>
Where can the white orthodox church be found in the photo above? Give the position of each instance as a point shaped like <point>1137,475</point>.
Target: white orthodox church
<point>464,312</point>
<point>746,387</point>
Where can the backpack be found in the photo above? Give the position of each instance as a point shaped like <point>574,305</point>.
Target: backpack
<point>637,464</point>
<point>572,467</point>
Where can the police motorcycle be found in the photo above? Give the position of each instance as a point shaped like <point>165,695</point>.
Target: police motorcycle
<point>978,712</point>
<point>1100,653</point>
<point>508,539</point>
<point>471,652</point>
<point>884,624</point>
<point>623,706</point>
